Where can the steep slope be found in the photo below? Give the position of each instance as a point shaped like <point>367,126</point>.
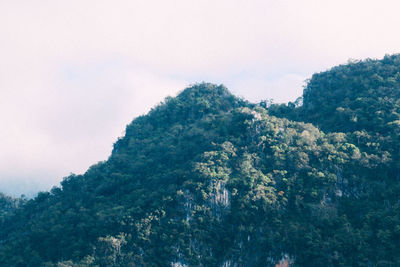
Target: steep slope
<point>362,96</point>
<point>207,179</point>
<point>362,99</point>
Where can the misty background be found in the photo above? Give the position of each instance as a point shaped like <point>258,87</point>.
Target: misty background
<point>73,74</point>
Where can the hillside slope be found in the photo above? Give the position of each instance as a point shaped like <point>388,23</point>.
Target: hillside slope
<point>208,179</point>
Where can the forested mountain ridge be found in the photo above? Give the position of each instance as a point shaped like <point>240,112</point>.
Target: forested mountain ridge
<point>209,179</point>
<point>362,97</point>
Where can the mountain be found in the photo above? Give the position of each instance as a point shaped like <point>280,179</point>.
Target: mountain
<point>209,179</point>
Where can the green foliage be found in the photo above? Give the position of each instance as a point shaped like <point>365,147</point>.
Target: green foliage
<point>8,206</point>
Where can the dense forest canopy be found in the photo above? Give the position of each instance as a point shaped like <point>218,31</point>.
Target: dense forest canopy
<point>209,179</point>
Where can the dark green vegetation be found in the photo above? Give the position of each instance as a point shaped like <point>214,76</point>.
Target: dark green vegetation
<point>8,206</point>
<point>207,179</point>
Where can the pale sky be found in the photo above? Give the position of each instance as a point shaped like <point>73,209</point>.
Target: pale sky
<point>74,73</point>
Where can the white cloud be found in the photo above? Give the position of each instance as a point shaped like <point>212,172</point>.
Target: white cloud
<point>73,73</point>
<point>72,123</point>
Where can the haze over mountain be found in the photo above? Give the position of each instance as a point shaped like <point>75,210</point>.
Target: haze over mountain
<point>74,73</point>
<point>210,179</point>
